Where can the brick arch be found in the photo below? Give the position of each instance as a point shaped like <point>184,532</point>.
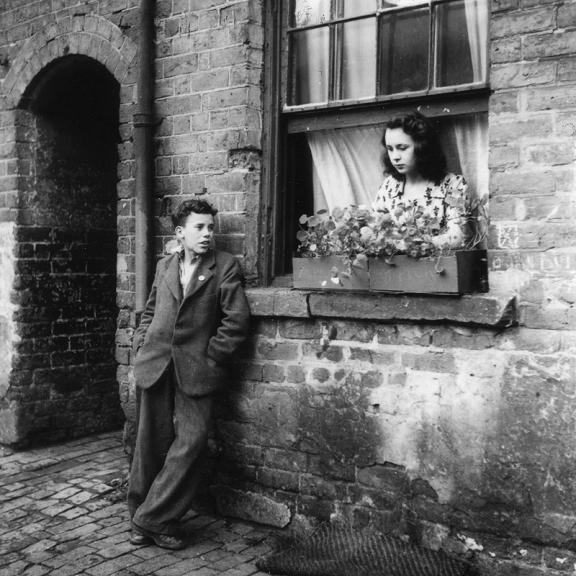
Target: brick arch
<point>88,35</point>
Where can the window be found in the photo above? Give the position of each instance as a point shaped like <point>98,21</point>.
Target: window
<point>343,69</point>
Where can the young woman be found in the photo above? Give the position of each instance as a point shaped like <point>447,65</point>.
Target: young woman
<point>417,182</point>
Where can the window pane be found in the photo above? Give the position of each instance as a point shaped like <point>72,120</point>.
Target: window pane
<point>359,7</point>
<point>462,36</point>
<point>404,51</point>
<point>309,12</point>
<point>402,3</point>
<point>310,66</point>
<point>359,59</point>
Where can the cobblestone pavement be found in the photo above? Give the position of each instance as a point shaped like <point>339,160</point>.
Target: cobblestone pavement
<point>62,513</point>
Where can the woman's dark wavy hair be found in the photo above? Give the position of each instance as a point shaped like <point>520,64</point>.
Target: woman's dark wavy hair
<point>430,158</point>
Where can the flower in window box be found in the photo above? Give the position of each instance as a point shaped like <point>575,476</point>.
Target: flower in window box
<point>358,232</point>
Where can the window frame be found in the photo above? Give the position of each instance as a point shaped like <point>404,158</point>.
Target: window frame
<point>335,83</point>
<point>281,121</point>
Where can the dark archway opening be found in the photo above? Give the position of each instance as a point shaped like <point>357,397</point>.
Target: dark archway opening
<point>68,138</point>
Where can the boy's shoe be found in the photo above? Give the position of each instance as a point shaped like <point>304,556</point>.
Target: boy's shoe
<point>168,541</point>
<point>141,537</point>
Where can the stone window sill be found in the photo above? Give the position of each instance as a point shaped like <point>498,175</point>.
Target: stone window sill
<point>487,310</point>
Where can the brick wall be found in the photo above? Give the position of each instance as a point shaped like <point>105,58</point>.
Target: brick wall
<point>208,101</point>
<point>442,418</point>
<point>58,204</point>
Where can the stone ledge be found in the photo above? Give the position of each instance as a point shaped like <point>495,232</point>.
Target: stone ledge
<point>490,310</point>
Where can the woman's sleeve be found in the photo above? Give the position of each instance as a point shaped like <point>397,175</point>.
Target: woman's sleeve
<point>457,201</point>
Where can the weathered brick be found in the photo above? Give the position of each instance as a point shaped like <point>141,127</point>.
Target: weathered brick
<point>295,375</point>
<point>558,43</point>
<point>505,156</point>
<point>514,75</point>
<point>285,460</point>
<point>548,98</point>
<point>504,102</point>
<point>277,350</point>
<point>329,352</point>
<point>429,362</point>
<point>523,182</point>
<point>506,50</point>
<point>503,5</point>
<point>524,21</point>
<point>300,329</point>
<point>321,374</point>
<point>225,98</point>
<point>551,153</point>
<point>510,131</point>
<point>566,70</point>
<point>179,65</point>
<point>209,80</point>
<point>280,479</point>
<point>567,15</point>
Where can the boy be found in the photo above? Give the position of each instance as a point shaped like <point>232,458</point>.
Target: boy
<point>196,318</point>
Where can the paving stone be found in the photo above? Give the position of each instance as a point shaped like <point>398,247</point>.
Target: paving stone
<point>114,509</point>
<point>80,564</point>
<point>74,513</point>
<point>244,570</point>
<point>56,509</point>
<point>39,546</point>
<point>146,552</point>
<point>66,493</point>
<point>70,557</point>
<point>183,567</point>
<point>94,505</point>
<point>81,497</point>
<point>115,550</point>
<point>7,558</point>
<point>49,534</point>
<point>36,570</point>
<point>15,569</point>
<point>111,567</point>
<point>152,565</point>
<point>205,572</point>
<point>81,531</point>
<point>62,527</point>
<point>229,561</point>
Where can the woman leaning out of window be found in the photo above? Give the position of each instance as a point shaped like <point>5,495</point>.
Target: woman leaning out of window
<point>417,184</point>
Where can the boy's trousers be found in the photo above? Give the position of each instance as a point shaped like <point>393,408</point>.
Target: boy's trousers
<point>172,431</point>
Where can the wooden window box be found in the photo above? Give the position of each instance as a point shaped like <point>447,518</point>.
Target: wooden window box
<point>463,272</point>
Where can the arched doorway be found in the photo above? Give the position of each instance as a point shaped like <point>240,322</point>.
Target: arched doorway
<point>67,132</point>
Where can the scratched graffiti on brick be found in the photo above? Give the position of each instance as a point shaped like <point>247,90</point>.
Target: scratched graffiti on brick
<point>507,236</point>
<point>541,261</point>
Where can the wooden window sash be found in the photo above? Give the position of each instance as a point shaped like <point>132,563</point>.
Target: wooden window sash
<point>335,27</point>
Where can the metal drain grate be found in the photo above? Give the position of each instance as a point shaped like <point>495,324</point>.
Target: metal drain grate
<point>332,551</point>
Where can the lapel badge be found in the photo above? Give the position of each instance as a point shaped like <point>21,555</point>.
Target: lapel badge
<point>201,277</point>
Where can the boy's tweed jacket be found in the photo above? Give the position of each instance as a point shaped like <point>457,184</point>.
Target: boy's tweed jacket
<point>200,331</point>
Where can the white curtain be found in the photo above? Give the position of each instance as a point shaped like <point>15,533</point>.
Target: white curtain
<point>348,169</point>
<point>477,24</point>
<point>347,166</point>
<point>471,135</point>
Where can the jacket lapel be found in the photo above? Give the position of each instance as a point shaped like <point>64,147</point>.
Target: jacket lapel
<point>172,277</point>
<point>203,274</point>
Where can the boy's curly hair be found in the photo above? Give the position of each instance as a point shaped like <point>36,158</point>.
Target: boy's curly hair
<point>196,206</point>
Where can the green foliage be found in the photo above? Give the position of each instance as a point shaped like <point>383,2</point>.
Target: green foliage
<point>358,232</point>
